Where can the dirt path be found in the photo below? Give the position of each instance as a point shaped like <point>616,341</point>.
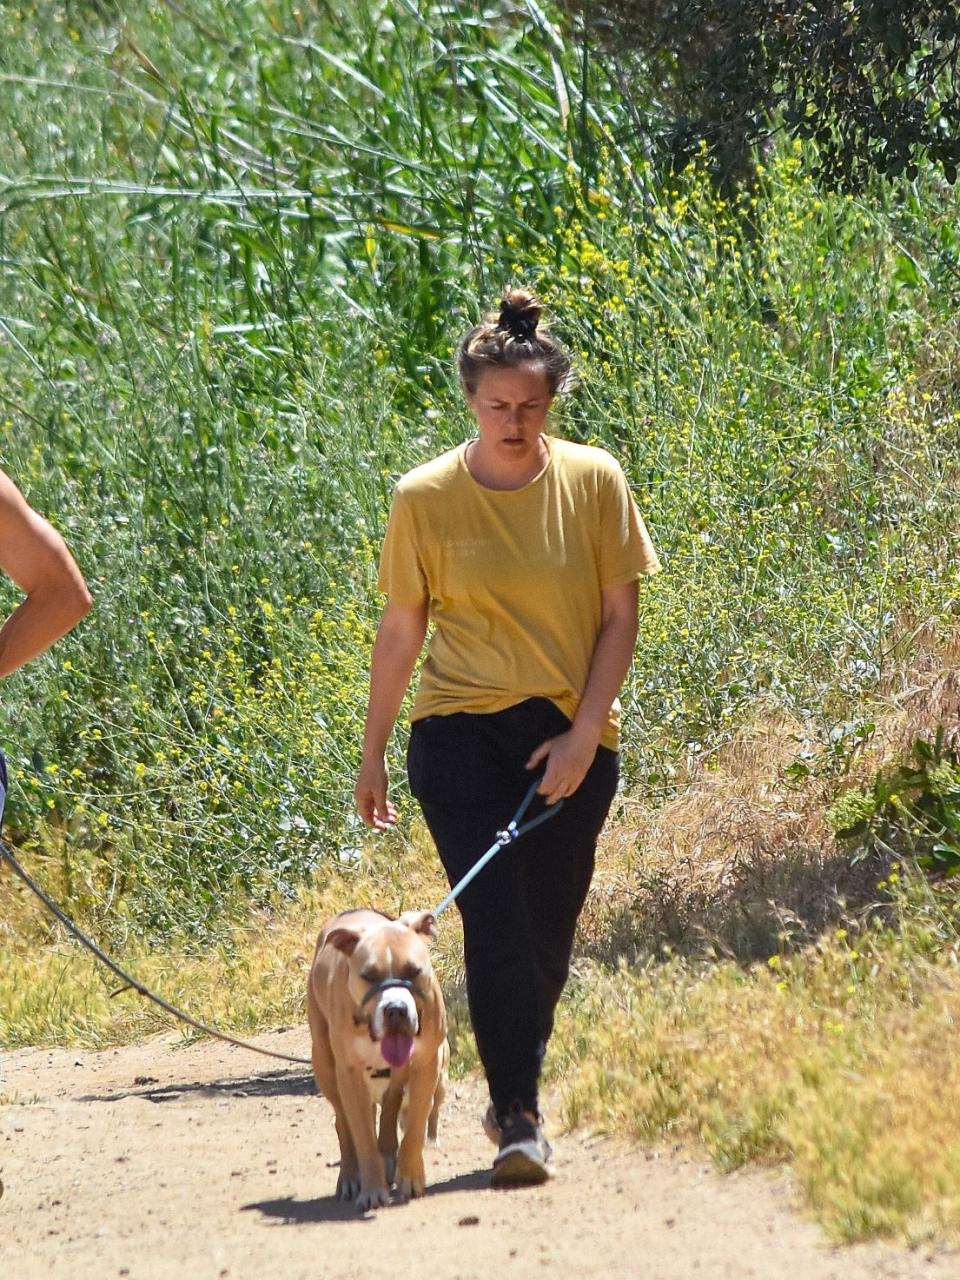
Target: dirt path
<point>160,1161</point>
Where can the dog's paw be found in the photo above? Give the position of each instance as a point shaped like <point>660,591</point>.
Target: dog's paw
<point>410,1189</point>
<point>348,1188</point>
<point>411,1179</point>
<point>372,1198</point>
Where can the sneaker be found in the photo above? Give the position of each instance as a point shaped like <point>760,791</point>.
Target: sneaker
<point>523,1155</point>
<point>491,1125</point>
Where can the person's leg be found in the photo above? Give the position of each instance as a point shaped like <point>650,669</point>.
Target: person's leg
<point>499,961</point>
<point>466,793</point>
<point>519,915</point>
<point>557,861</point>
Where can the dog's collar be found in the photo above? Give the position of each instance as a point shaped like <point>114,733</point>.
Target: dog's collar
<point>360,1018</point>
<point>391,982</point>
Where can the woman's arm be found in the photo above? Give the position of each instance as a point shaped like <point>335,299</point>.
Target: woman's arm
<point>34,555</point>
<point>395,652</point>
<point>571,754</point>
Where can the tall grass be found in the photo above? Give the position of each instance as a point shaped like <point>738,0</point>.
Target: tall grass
<point>237,244</point>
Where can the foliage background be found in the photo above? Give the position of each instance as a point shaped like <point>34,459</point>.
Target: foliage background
<point>875,83</point>
<point>238,242</point>
<point>237,245</point>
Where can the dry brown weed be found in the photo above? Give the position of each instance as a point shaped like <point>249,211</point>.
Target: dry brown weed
<point>743,861</point>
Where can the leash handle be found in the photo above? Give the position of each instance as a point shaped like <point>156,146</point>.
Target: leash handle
<point>525,802</point>
<point>512,831</point>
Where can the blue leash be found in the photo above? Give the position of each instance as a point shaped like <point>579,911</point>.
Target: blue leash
<point>512,831</point>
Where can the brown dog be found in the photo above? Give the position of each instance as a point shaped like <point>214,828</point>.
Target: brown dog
<point>379,1031</point>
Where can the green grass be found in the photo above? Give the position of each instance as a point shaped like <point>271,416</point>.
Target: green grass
<point>236,248</point>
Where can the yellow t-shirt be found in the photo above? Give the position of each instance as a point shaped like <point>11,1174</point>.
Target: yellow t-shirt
<point>513,577</point>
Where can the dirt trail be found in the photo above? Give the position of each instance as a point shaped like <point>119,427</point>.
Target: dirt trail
<point>162,1160</point>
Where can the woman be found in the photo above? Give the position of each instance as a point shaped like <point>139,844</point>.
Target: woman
<point>525,552</point>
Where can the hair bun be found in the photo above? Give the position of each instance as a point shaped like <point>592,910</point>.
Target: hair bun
<point>519,315</point>
<point>513,339</point>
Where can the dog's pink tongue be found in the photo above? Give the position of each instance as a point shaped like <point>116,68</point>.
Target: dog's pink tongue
<point>397,1049</point>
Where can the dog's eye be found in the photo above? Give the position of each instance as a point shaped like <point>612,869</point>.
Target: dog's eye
<point>370,975</point>
<point>411,972</point>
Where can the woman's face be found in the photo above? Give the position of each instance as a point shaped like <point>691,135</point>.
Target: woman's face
<point>511,406</point>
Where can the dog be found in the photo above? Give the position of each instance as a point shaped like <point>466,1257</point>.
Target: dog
<point>379,1032</point>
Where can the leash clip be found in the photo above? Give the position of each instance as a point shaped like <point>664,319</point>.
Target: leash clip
<point>512,831</point>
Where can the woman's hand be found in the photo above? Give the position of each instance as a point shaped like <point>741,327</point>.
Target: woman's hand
<point>568,758</point>
<point>571,754</point>
<point>399,640</point>
<point>370,794</point>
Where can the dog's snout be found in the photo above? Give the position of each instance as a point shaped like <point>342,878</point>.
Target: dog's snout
<point>396,1011</point>
<point>395,1014</point>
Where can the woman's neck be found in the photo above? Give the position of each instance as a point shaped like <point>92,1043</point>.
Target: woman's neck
<point>495,472</point>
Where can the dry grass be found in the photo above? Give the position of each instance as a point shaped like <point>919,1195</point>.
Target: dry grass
<point>737,863</point>
<point>807,1009</point>
<point>842,1061</point>
<point>743,863</point>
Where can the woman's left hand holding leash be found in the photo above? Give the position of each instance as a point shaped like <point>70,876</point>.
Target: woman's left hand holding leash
<point>568,758</point>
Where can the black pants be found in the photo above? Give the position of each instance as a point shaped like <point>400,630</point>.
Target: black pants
<point>519,915</point>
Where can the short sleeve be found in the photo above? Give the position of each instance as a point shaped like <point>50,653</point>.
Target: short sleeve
<point>626,551</point>
<point>401,577</point>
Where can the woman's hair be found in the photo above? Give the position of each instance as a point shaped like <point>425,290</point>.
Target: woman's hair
<point>514,337</point>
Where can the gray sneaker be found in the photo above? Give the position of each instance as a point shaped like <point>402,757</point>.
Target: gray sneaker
<point>491,1125</point>
<point>523,1155</point>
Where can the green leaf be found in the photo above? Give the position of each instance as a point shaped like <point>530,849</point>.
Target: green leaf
<point>905,271</point>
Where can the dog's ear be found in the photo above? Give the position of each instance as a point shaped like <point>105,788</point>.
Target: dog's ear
<point>344,940</point>
<point>420,922</point>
